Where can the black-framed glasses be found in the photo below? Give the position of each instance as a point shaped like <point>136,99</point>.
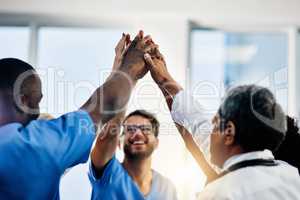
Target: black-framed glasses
<point>131,129</point>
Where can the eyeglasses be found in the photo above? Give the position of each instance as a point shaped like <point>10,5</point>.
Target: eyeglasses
<point>131,129</point>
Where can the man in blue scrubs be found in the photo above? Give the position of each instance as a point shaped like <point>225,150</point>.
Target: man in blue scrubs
<point>35,153</point>
<point>133,179</point>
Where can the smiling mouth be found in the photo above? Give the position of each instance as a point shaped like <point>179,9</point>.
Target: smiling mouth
<point>138,143</point>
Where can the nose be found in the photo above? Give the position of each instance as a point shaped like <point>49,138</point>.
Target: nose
<point>137,133</point>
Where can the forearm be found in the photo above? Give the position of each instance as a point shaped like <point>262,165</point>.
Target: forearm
<point>106,144</point>
<point>169,87</point>
<point>102,153</point>
<point>197,154</point>
<point>111,98</point>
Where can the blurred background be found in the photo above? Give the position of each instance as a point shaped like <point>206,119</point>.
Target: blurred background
<point>209,46</point>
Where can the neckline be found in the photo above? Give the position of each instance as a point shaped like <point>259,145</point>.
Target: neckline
<point>266,154</point>
<point>136,185</point>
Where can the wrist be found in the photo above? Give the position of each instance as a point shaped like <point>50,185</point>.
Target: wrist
<point>164,80</point>
<point>135,69</point>
<point>130,72</point>
<point>171,88</point>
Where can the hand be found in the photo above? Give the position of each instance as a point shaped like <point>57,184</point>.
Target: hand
<point>159,72</point>
<point>111,129</point>
<point>133,59</point>
<point>120,50</point>
<point>158,68</point>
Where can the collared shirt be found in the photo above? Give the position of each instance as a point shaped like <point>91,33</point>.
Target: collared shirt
<point>33,157</point>
<point>116,184</point>
<point>256,182</point>
<point>259,182</point>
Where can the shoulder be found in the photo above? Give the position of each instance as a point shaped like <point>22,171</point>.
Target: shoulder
<point>67,126</point>
<point>164,184</point>
<point>69,120</point>
<point>111,170</point>
<point>236,184</point>
<point>243,182</point>
<point>159,177</point>
<point>10,128</point>
<point>216,190</point>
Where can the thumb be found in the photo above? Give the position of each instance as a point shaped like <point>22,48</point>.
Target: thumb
<point>149,60</point>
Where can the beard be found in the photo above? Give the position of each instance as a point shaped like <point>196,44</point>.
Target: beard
<point>138,155</point>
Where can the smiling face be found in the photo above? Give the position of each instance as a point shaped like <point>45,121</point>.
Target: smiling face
<point>139,138</point>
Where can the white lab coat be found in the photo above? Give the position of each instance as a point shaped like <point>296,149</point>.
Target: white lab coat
<point>280,182</point>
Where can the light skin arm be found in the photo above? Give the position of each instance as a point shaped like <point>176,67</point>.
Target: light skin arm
<point>162,77</point>
<point>107,140</point>
<point>170,88</point>
<point>106,144</point>
<point>197,154</point>
<point>111,98</point>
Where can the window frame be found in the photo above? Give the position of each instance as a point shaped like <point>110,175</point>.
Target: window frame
<point>293,36</point>
<point>37,21</point>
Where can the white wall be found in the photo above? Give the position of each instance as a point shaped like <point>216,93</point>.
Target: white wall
<point>208,11</point>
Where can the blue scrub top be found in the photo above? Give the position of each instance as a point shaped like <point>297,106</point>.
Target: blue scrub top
<point>116,184</point>
<point>33,158</point>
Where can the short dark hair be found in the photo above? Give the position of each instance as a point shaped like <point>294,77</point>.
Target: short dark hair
<point>10,70</point>
<point>290,145</point>
<point>259,121</point>
<point>151,117</point>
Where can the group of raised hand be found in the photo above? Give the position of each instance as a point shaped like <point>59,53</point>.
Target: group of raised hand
<point>141,55</point>
<point>136,58</point>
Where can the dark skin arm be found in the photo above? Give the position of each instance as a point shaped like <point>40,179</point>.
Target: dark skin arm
<point>111,98</point>
<point>170,88</point>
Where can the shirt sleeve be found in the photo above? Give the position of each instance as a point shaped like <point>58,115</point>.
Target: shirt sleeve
<point>110,168</point>
<point>189,113</point>
<point>67,139</point>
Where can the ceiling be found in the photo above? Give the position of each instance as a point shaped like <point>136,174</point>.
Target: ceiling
<point>276,12</point>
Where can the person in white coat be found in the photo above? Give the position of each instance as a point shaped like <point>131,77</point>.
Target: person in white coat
<point>249,125</point>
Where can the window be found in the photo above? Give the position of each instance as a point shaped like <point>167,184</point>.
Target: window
<point>227,59</point>
<point>73,63</point>
<point>14,42</point>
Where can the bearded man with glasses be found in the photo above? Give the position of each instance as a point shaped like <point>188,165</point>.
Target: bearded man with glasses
<point>133,178</point>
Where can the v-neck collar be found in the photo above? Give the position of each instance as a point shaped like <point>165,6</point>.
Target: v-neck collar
<point>137,187</point>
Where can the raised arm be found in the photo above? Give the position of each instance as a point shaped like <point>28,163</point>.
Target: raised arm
<point>106,144</point>
<point>162,77</point>
<point>170,88</point>
<point>111,98</point>
<point>108,139</point>
<point>197,154</point>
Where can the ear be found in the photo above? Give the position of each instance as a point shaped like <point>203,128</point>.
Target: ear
<point>23,103</point>
<point>229,134</point>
